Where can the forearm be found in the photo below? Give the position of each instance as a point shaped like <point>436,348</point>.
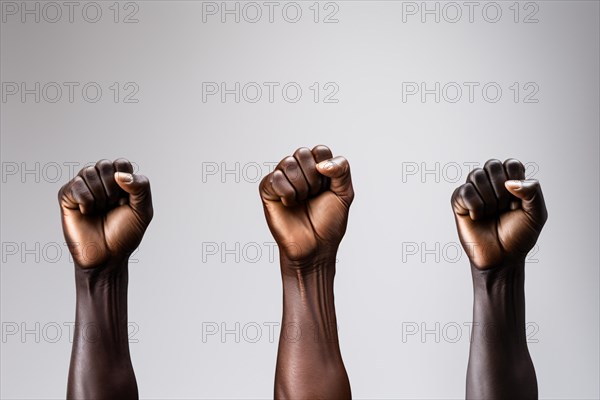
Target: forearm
<point>499,362</point>
<point>100,361</point>
<point>309,362</point>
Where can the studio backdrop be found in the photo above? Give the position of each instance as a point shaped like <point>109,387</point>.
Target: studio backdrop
<point>206,97</point>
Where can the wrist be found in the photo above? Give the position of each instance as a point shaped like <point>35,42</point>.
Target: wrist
<point>310,279</point>
<point>494,281</point>
<point>499,304</point>
<point>308,300</point>
<point>101,312</point>
<point>300,266</point>
<point>104,285</point>
<point>114,268</point>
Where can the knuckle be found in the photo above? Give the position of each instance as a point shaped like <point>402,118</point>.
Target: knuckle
<point>288,161</point>
<point>61,192</point>
<point>302,151</point>
<point>143,180</point>
<point>123,165</point>
<point>455,193</point>
<point>475,174</point>
<point>89,172</point>
<point>492,162</point>
<point>264,181</point>
<point>290,167</point>
<point>513,163</point>
<point>103,163</point>
<point>321,147</point>
<point>346,165</point>
<point>494,166</point>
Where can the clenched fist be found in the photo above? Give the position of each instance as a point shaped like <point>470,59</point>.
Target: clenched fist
<point>306,201</point>
<point>105,212</point>
<point>499,213</point>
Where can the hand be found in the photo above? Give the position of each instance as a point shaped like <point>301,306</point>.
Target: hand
<point>306,201</point>
<point>499,214</point>
<point>105,212</point>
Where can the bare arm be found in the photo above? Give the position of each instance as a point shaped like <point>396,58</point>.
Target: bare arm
<point>499,215</point>
<point>105,211</point>
<point>306,202</point>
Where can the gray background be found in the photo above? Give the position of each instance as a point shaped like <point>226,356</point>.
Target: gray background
<point>177,288</point>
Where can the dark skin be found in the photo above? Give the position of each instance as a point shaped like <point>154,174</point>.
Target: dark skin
<point>499,215</point>
<point>105,211</point>
<point>306,201</point>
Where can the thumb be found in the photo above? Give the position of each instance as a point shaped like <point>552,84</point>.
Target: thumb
<point>338,170</point>
<point>140,197</point>
<point>529,192</point>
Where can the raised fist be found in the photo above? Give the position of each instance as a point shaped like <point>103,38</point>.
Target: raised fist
<point>306,201</point>
<point>105,212</point>
<point>499,213</point>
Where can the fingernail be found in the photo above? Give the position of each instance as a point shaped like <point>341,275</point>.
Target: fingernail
<point>125,177</point>
<point>326,165</point>
<point>529,183</point>
<point>515,184</point>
